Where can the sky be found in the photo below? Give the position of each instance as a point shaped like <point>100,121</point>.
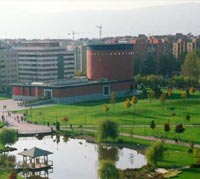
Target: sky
<point>59,18</point>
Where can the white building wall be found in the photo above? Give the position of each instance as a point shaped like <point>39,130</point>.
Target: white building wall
<point>41,63</point>
<point>8,67</point>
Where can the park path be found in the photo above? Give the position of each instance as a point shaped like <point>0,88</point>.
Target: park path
<point>15,121</point>
<point>151,138</point>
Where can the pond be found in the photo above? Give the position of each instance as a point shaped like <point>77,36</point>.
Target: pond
<point>76,158</point>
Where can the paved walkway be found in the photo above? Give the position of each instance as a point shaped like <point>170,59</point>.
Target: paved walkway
<point>169,141</point>
<point>15,121</point>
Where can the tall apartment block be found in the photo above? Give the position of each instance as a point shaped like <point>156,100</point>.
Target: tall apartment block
<point>80,58</point>
<point>179,47</point>
<point>8,67</point>
<point>192,45</point>
<point>44,61</point>
<point>184,45</point>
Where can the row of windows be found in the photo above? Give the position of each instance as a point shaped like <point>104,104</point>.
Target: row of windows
<point>112,53</point>
<point>44,60</point>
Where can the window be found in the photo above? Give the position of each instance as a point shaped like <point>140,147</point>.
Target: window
<point>106,90</point>
<point>48,93</point>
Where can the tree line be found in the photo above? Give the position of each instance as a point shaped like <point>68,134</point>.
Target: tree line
<point>169,71</point>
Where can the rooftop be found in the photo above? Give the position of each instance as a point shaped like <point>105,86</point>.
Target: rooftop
<point>35,152</point>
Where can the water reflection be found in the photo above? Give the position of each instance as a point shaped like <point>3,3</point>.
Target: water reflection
<point>74,158</point>
<point>108,153</point>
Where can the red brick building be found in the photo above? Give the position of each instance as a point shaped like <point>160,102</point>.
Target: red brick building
<point>113,62</point>
<point>109,68</point>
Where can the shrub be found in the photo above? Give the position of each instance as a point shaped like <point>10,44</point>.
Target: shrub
<point>155,153</point>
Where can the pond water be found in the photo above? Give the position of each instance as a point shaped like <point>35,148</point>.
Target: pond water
<point>75,158</point>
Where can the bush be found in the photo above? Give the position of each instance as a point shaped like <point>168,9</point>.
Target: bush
<point>13,175</point>
<point>155,153</point>
<point>57,124</point>
<point>107,170</point>
<point>107,128</point>
<point>7,136</point>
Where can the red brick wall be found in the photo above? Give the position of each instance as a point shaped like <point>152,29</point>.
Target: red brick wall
<point>72,91</point>
<point>26,91</point>
<point>17,90</point>
<point>86,90</point>
<point>114,65</point>
<point>40,92</point>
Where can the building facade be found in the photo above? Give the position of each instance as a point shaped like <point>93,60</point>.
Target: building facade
<point>109,69</point>
<point>80,58</point>
<point>73,92</point>
<point>44,61</point>
<point>112,62</point>
<point>8,67</point>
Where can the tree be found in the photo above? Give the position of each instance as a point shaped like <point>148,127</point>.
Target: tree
<point>183,94</point>
<point>187,117</point>
<point>108,170</point>
<point>57,124</point>
<point>191,66</point>
<point>105,108</point>
<point>13,175</point>
<point>169,92</point>
<point>167,127</point>
<point>8,136</point>
<point>152,125</point>
<point>179,129</point>
<point>112,99</point>
<point>65,118</point>
<point>134,100</point>
<point>196,155</point>
<point>127,103</point>
<point>151,95</point>
<point>107,128</point>
<point>192,89</point>
<point>162,99</point>
<point>155,153</point>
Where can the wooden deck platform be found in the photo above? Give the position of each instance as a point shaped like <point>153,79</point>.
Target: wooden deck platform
<point>39,166</point>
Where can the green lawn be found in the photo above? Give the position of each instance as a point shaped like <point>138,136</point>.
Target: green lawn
<point>4,97</point>
<point>5,175</point>
<point>140,114</point>
<point>189,174</point>
<point>174,157</point>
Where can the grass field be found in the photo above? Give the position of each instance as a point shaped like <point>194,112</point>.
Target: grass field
<point>4,97</point>
<point>138,116</point>
<point>174,157</point>
<point>5,175</point>
<point>137,120</point>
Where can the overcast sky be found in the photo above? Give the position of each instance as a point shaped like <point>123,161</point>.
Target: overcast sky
<point>56,18</point>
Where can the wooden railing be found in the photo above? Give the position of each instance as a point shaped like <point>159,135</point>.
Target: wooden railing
<point>40,163</point>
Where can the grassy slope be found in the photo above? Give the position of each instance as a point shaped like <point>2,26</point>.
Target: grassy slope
<point>5,175</point>
<point>142,113</point>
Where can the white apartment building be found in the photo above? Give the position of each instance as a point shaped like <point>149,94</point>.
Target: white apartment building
<point>44,61</point>
<point>8,67</point>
